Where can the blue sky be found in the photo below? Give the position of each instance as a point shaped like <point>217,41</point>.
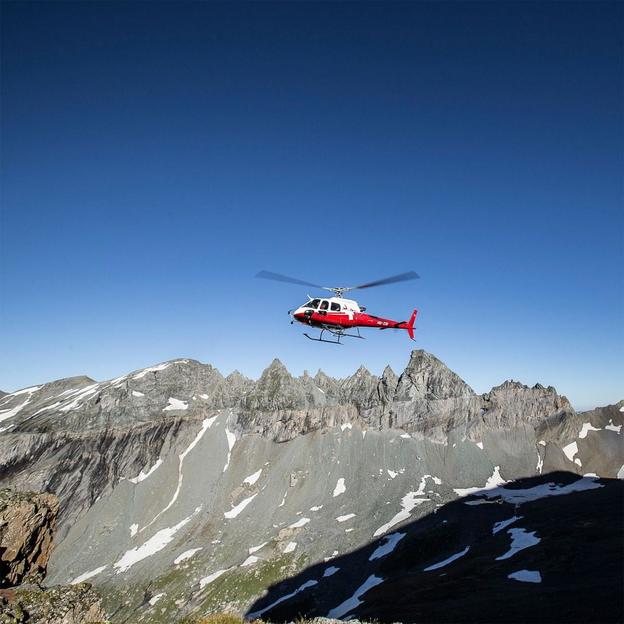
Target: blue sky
<point>156,156</point>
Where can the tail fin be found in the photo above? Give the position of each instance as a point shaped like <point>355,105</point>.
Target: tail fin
<point>410,324</point>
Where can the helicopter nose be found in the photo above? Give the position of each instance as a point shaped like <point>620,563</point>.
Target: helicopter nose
<point>298,314</point>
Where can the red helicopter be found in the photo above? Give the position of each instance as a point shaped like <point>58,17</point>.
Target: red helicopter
<point>336,314</point>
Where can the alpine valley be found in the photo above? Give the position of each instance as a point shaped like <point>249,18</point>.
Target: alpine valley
<point>400,498</point>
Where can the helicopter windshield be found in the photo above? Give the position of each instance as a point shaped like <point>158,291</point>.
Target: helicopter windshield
<point>312,304</point>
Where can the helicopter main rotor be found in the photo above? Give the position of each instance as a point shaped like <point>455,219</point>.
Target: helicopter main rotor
<point>339,290</point>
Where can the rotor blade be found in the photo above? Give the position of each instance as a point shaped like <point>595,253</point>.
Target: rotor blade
<point>410,275</point>
<point>276,277</point>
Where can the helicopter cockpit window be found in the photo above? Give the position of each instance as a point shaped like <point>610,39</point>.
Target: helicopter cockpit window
<point>312,304</point>
<point>335,307</point>
<point>324,305</point>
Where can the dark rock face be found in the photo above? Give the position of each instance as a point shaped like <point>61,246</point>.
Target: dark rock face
<point>506,562</point>
<point>27,523</point>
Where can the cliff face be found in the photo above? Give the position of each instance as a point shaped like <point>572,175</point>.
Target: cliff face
<point>27,525</point>
<point>182,490</point>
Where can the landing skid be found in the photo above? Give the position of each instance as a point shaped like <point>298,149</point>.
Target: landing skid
<point>338,333</point>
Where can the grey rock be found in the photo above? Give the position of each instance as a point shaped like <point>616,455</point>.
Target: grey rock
<point>177,458</point>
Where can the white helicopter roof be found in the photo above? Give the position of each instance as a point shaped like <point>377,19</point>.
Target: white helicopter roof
<point>348,303</point>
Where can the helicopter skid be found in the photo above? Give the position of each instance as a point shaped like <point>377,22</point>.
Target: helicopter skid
<point>338,334</point>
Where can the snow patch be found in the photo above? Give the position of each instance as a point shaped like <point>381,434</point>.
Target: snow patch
<point>300,523</point>
<point>155,543</point>
<point>136,393</point>
<point>290,547</point>
<point>520,539</point>
<point>154,599</point>
<point>187,554</point>
<point>351,603</point>
<point>175,404</point>
<point>211,577</point>
<point>526,576</point>
<point>249,561</point>
<point>346,426</point>
<point>143,475</point>
<point>345,518</point>
<point>570,450</point>
<point>9,413</point>
<point>133,529</point>
<point>254,549</point>
<point>231,440</point>
<point>494,481</point>
<point>450,559</point>
<point>585,429</point>
<point>257,614</point>
<point>612,427</point>
<point>152,369</point>
<point>238,508</point>
<point>87,575</point>
<point>251,479</point>
<point>499,526</point>
<point>340,487</point>
<point>386,548</point>
<point>28,391</point>
<point>543,490</point>
<point>408,502</point>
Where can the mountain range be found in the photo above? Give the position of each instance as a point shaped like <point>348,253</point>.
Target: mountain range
<point>401,497</point>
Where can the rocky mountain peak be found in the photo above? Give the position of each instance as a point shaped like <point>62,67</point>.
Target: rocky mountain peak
<point>388,373</point>
<point>276,389</point>
<point>427,377</point>
<point>276,364</point>
<point>362,371</point>
<point>512,403</point>
<point>236,376</point>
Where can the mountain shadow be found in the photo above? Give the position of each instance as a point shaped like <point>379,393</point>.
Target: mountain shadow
<point>540,549</point>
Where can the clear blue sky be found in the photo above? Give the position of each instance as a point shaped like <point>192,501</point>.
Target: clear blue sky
<point>156,156</point>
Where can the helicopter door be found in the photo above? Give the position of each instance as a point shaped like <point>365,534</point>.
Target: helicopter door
<point>335,307</point>
<point>338,312</point>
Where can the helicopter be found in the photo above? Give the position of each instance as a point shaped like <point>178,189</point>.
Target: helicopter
<point>337,315</point>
